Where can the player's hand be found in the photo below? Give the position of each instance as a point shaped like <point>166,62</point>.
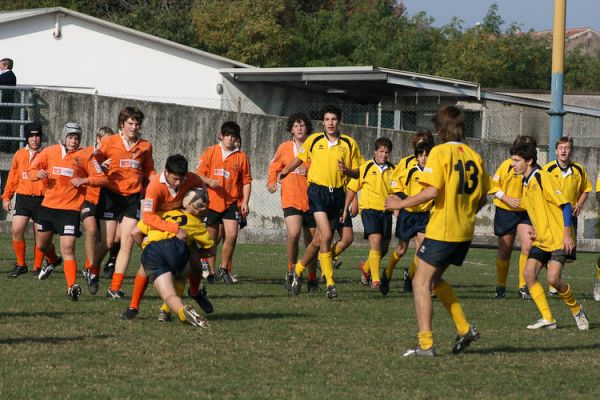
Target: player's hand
<point>272,187</point>
<point>393,203</point>
<point>354,209</point>
<point>281,176</point>
<point>568,243</point>
<point>342,166</point>
<point>576,210</point>
<point>532,235</point>
<point>106,164</point>
<point>301,170</point>
<point>244,209</point>
<point>511,201</point>
<point>343,217</point>
<point>6,205</point>
<point>42,174</point>
<point>212,183</point>
<point>181,234</point>
<point>78,182</point>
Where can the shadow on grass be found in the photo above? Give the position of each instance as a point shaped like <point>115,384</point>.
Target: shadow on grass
<point>25,314</point>
<point>537,349</point>
<point>51,339</point>
<point>250,316</point>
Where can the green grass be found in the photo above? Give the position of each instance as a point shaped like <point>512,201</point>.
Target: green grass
<point>264,344</point>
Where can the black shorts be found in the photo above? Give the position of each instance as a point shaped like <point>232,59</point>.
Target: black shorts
<point>113,206</point>
<point>88,210</point>
<point>169,255</point>
<point>63,222</point>
<point>212,217</point>
<point>544,256</point>
<point>442,254</point>
<point>505,221</point>
<point>375,221</point>
<point>327,200</point>
<point>336,225</point>
<point>308,220</point>
<point>28,206</point>
<point>408,224</point>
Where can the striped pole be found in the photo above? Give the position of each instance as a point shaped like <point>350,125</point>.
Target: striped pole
<point>557,111</point>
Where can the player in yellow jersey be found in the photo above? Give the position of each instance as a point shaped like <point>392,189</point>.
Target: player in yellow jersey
<point>403,165</point>
<point>165,256</point>
<point>573,182</point>
<point>374,184</point>
<point>333,157</point>
<point>551,215</point>
<point>455,179</point>
<point>411,222</point>
<point>510,220</point>
<point>597,285</point>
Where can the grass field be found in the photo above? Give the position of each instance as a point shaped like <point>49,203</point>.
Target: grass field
<point>264,344</point>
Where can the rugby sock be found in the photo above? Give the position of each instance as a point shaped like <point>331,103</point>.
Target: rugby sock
<point>181,315</point>
<point>165,308</point>
<point>70,269</point>
<point>446,295</point>
<point>394,258</point>
<point>140,284</point>
<point>95,270</point>
<point>179,288</point>
<point>522,262</point>
<point>194,284</point>
<point>570,301</point>
<point>290,267</point>
<point>337,250</point>
<point>19,247</point>
<point>501,271</point>
<point>598,269</point>
<point>552,288</point>
<point>38,258</point>
<point>299,269</point>
<point>51,255</point>
<point>87,264</point>
<point>412,268</point>
<point>229,266</point>
<point>374,261</point>
<point>425,340</point>
<point>327,267</point>
<point>114,250</point>
<point>312,275</point>
<point>539,297</point>
<point>117,281</point>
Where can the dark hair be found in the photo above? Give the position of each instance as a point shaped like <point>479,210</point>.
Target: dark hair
<point>383,142</point>
<point>522,139</point>
<point>104,131</point>
<point>420,136</point>
<point>564,139</point>
<point>331,109</point>
<point>526,151</point>
<point>449,123</point>
<point>177,164</point>
<point>8,62</point>
<point>130,112</point>
<point>424,146</point>
<point>297,117</point>
<point>230,128</point>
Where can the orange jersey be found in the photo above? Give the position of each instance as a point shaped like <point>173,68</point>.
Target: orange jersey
<point>62,167</point>
<point>293,186</point>
<point>92,194</point>
<point>160,197</point>
<point>232,173</point>
<point>129,166</point>
<point>18,180</point>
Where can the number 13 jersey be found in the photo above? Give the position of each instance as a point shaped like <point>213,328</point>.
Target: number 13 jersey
<point>457,171</point>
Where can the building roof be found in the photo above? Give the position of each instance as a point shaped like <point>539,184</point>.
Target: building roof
<point>10,16</point>
<point>372,84</point>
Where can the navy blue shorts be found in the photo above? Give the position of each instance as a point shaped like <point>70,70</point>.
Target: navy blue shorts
<point>442,254</point>
<point>63,222</point>
<point>336,225</point>
<point>544,256</point>
<point>505,221</point>
<point>113,206</point>
<point>28,206</point>
<point>88,210</point>
<point>324,199</point>
<point>212,217</point>
<point>169,255</point>
<point>408,224</point>
<point>375,221</point>
<point>308,220</point>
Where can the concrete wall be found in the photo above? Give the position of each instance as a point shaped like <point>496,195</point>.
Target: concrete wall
<point>188,130</point>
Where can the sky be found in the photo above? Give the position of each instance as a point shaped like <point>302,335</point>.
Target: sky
<point>530,14</point>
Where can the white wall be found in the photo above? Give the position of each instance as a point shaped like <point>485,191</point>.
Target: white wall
<point>113,62</point>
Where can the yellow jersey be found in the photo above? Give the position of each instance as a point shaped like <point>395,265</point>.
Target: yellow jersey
<point>374,185</point>
<point>404,164</point>
<point>457,171</point>
<point>195,228</point>
<point>505,179</point>
<point>572,180</point>
<point>324,155</point>
<point>409,183</point>
<point>542,198</point>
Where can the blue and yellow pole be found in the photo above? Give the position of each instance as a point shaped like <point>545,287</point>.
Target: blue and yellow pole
<point>556,111</point>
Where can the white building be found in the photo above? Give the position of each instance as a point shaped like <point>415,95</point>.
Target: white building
<point>58,47</point>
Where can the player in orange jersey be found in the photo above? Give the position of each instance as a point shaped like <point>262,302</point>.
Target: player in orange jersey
<point>68,169</point>
<point>130,165</point>
<point>226,170</point>
<point>29,196</point>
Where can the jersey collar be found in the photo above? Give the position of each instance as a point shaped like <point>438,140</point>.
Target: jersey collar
<point>226,153</point>
<point>32,153</point>
<point>163,179</point>
<point>534,171</point>
<point>381,167</point>
<point>126,144</point>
